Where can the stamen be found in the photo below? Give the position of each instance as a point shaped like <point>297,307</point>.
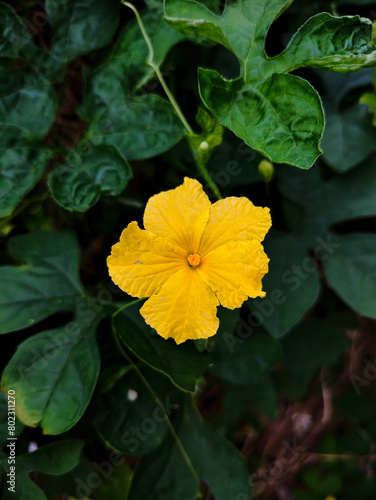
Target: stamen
<point>194,260</point>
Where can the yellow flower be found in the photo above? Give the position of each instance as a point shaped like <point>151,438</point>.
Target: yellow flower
<point>191,257</point>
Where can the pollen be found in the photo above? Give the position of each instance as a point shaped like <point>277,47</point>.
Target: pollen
<point>194,260</point>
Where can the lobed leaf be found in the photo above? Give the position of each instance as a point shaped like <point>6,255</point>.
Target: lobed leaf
<point>340,44</point>
<point>241,28</point>
<point>278,115</point>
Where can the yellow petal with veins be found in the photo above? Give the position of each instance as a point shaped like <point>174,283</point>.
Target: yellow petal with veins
<point>179,215</point>
<point>234,271</point>
<point>141,262</point>
<point>185,308</point>
<point>234,219</point>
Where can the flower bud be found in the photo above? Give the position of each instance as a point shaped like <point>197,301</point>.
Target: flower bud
<point>266,170</point>
<point>203,147</point>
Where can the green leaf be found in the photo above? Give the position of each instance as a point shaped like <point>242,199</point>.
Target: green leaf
<point>164,473</point>
<point>183,364</point>
<point>357,285</point>
<point>78,184</point>
<point>243,360</point>
<point>20,169</point>
<point>339,89</point>
<point>127,416</point>
<point>138,128</point>
<point>326,202</point>
<point>335,43</point>
<point>311,345</point>
<point>54,458</point>
<point>126,67</point>
<point>116,486</point>
<point>80,27</point>
<point>16,41</point>
<point>54,372</point>
<point>46,283</point>
<point>277,114</point>
<point>260,395</point>
<point>332,43</point>
<point>349,137</point>
<point>27,101</point>
<point>291,285</point>
<point>282,117</point>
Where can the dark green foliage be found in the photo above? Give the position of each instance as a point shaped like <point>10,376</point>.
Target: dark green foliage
<point>283,396</point>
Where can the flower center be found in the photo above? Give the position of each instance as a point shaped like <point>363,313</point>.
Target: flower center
<point>194,260</point>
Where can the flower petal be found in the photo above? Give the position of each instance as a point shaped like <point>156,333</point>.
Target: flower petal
<point>141,262</point>
<point>234,219</point>
<point>185,308</point>
<point>234,271</point>
<point>180,215</point>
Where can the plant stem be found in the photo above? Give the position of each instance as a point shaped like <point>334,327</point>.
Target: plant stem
<point>159,403</point>
<point>213,186</point>
<point>171,98</point>
<point>156,69</point>
<point>126,305</point>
